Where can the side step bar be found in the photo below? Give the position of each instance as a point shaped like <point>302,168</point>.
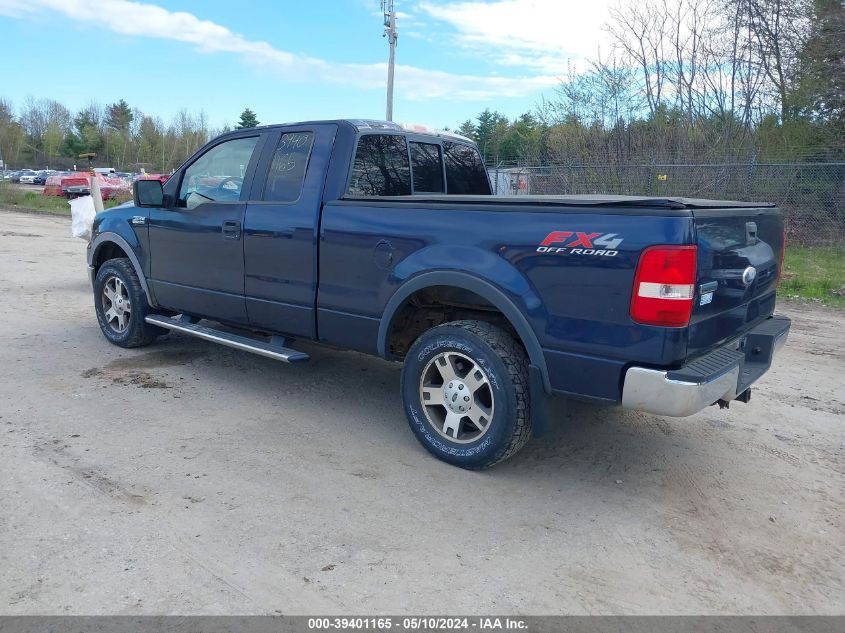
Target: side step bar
<point>270,350</point>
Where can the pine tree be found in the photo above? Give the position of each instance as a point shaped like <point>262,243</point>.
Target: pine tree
<point>119,115</point>
<point>490,132</point>
<point>824,62</point>
<point>248,120</point>
<point>467,128</point>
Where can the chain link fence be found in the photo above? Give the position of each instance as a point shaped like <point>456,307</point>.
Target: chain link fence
<point>812,195</point>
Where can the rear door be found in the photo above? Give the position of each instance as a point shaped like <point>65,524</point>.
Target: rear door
<point>739,257</point>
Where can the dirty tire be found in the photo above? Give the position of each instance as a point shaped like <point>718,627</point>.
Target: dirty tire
<point>137,331</point>
<point>504,365</point>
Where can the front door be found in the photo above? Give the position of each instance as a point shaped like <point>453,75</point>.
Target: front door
<point>196,244</point>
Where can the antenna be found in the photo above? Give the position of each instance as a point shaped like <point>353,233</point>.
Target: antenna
<point>390,34</point>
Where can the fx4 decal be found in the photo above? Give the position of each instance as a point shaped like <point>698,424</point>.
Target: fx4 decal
<point>578,243</point>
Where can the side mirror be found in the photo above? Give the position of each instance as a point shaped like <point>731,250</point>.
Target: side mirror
<point>148,193</point>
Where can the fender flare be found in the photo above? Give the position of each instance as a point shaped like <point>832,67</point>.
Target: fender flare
<point>480,287</point>
<point>110,237</point>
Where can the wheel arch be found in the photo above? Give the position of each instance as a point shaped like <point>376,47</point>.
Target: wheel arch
<point>465,282</point>
<point>108,244</point>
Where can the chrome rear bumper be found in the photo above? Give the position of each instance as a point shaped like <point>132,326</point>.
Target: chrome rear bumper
<point>653,391</point>
<point>720,375</point>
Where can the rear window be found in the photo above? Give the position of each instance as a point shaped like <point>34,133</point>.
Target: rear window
<point>427,167</point>
<point>381,167</point>
<point>465,171</point>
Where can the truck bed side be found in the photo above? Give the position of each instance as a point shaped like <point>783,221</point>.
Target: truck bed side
<point>575,298</point>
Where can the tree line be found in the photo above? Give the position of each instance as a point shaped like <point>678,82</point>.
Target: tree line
<point>45,133</point>
<point>684,81</point>
<point>692,81</point>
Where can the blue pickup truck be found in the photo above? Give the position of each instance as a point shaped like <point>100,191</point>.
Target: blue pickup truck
<point>385,239</point>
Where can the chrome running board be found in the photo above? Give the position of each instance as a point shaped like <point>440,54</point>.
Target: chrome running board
<point>269,349</point>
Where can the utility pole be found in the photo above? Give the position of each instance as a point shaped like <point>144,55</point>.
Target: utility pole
<point>390,34</point>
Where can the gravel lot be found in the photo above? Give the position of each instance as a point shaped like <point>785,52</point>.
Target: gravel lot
<point>190,478</point>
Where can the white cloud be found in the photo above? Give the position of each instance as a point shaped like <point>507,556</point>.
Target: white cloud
<point>545,35</point>
<point>148,20</point>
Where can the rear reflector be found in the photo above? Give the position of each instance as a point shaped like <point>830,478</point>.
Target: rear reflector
<point>664,286</point>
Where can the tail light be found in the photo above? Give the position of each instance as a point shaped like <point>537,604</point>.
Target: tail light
<point>664,286</point>
<point>782,255</point>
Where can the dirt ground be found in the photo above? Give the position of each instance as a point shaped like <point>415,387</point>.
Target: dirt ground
<point>189,478</point>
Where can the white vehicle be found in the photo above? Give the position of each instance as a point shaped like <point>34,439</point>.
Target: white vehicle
<point>28,177</point>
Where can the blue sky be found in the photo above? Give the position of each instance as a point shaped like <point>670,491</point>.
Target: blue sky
<point>291,60</point>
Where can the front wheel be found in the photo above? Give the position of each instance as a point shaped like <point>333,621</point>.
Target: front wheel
<point>121,305</point>
<point>465,393</point>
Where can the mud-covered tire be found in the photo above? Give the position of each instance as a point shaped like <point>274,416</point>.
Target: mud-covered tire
<point>503,364</point>
<point>136,331</point>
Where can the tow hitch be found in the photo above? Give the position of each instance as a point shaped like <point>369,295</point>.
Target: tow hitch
<point>745,397</point>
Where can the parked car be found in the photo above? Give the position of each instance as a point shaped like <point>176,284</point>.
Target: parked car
<point>27,176</point>
<point>60,184</point>
<point>16,175</point>
<point>366,236</point>
<point>41,177</point>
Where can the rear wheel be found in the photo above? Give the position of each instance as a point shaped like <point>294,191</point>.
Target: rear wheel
<point>121,305</point>
<point>465,392</point>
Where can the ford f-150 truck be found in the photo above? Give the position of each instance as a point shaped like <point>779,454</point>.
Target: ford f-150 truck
<point>386,239</point>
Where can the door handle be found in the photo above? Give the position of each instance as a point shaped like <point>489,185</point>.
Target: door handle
<point>231,230</point>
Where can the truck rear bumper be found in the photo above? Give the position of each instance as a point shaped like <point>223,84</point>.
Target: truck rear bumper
<point>720,375</point>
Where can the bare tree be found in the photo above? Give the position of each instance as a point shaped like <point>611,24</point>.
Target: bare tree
<point>640,30</point>
<point>780,29</point>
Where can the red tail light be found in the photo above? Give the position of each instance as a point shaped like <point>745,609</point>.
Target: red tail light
<point>782,255</point>
<point>664,286</point>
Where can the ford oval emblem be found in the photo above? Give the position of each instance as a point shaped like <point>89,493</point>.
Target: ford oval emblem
<point>749,275</point>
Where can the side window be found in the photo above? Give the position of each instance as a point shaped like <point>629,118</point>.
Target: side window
<point>465,171</point>
<point>427,167</point>
<point>381,167</point>
<point>217,175</point>
<point>287,171</point>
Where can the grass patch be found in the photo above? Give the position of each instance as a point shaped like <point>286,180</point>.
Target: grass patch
<point>11,196</point>
<point>814,273</point>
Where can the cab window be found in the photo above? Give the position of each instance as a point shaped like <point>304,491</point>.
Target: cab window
<point>465,171</point>
<point>427,168</point>
<point>217,175</point>
<point>287,170</point>
<point>381,166</point>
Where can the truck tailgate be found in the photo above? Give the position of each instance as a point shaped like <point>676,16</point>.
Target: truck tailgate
<point>739,256</point>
